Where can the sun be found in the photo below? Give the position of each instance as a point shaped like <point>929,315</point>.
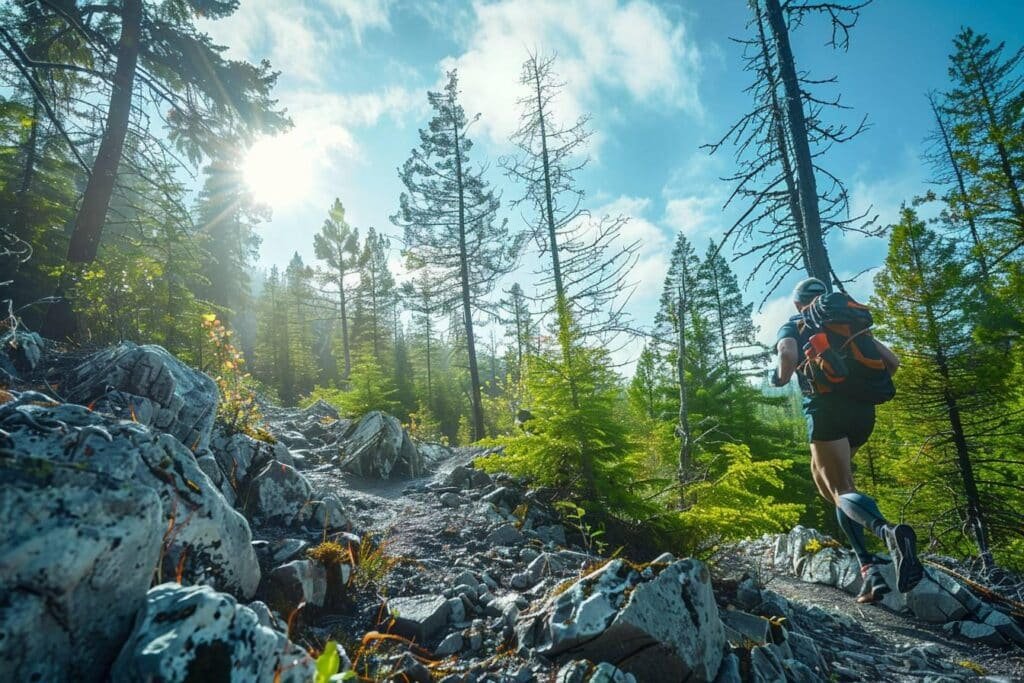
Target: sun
<point>279,170</point>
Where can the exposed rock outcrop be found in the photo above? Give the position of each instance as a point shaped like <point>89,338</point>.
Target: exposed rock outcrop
<point>378,446</point>
<point>194,633</point>
<point>661,621</point>
<point>149,385</point>
<point>203,535</point>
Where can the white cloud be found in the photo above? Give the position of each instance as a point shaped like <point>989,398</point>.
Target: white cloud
<point>631,47</point>
<point>362,15</point>
<point>771,317</point>
<point>691,215</point>
<point>293,35</point>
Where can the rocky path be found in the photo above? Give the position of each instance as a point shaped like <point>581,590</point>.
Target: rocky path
<point>423,567</point>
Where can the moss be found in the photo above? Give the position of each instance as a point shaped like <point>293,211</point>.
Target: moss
<point>329,554</point>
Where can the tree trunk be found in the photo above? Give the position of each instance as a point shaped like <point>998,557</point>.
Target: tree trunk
<point>721,317</point>
<point>683,428</point>
<point>975,514</point>
<point>467,309</point>
<point>975,237</point>
<point>817,257</point>
<point>792,194</point>
<point>85,238</point>
<point>344,316</point>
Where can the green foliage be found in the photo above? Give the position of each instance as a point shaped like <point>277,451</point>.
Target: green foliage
<point>369,388</point>
<point>574,441</point>
<point>328,663</point>
<point>736,501</point>
<point>238,409</point>
<point>577,519</point>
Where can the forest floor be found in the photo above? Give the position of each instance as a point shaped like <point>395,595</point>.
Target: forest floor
<point>406,512</point>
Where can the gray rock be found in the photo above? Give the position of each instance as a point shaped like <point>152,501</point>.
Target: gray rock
<point>286,549</point>
<point>194,633</point>
<point>468,478</point>
<point>451,644</point>
<point>296,582</point>
<point>552,533</point>
<point>378,446</point>
<point>1005,626</point>
<point>584,671</point>
<point>931,602</point>
<point>210,541</point>
<point>973,630</point>
<point>666,627</point>
<point>766,665</point>
<point>277,494</point>
<point>747,627</point>
<point>77,554</point>
<point>729,670</point>
<point>419,616</point>
<point>456,610</point>
<point>240,457</point>
<point>147,381</point>
<point>506,534</point>
<point>327,513</point>
<point>22,349</point>
<point>452,500</point>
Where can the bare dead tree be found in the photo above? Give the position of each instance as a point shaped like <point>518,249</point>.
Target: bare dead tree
<point>790,200</point>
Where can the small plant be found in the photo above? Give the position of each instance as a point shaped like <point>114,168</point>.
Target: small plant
<point>328,664</point>
<point>576,516</point>
<point>238,409</point>
<point>375,563</point>
<point>973,666</point>
<point>330,553</point>
<point>814,546</point>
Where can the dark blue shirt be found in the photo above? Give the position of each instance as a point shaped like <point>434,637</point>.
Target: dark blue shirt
<point>791,329</point>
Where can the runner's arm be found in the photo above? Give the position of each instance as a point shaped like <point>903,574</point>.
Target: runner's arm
<point>891,360</point>
<point>788,357</point>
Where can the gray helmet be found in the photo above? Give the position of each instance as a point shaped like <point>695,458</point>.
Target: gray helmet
<point>806,290</point>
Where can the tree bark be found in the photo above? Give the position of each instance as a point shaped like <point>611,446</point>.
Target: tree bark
<point>817,257</point>
<point>683,428</point>
<point>344,314</point>
<point>85,237</point>
<point>467,310</point>
<point>792,194</point>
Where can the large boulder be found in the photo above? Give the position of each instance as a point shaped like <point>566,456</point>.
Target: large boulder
<point>661,623</point>
<point>378,446</point>
<point>151,386</point>
<point>20,352</point>
<point>194,633</point>
<point>76,557</point>
<point>202,535</point>
<point>277,494</point>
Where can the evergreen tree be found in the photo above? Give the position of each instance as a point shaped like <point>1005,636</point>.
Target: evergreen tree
<point>588,278</point>
<point>449,214</point>
<point>337,244</point>
<point>733,325</point>
<point>520,328</point>
<point>984,106</point>
<point>374,298</point>
<point>953,390</point>
<point>299,295</point>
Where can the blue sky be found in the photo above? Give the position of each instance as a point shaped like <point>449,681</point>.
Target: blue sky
<point>659,80</point>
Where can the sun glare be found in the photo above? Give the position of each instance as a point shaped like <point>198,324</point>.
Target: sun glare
<point>278,171</point>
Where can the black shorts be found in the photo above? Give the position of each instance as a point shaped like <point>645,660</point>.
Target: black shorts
<point>831,417</point>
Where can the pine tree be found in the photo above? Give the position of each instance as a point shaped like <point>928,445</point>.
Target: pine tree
<point>448,213</point>
<point>734,329</point>
<point>678,323</point>
<point>226,216</point>
<point>520,328</point>
<point>337,244</point>
<point>374,298</point>
<point>951,388</point>
<point>589,263</point>
<point>985,109</point>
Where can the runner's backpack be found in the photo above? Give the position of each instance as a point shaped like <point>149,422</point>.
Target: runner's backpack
<point>841,355</point>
